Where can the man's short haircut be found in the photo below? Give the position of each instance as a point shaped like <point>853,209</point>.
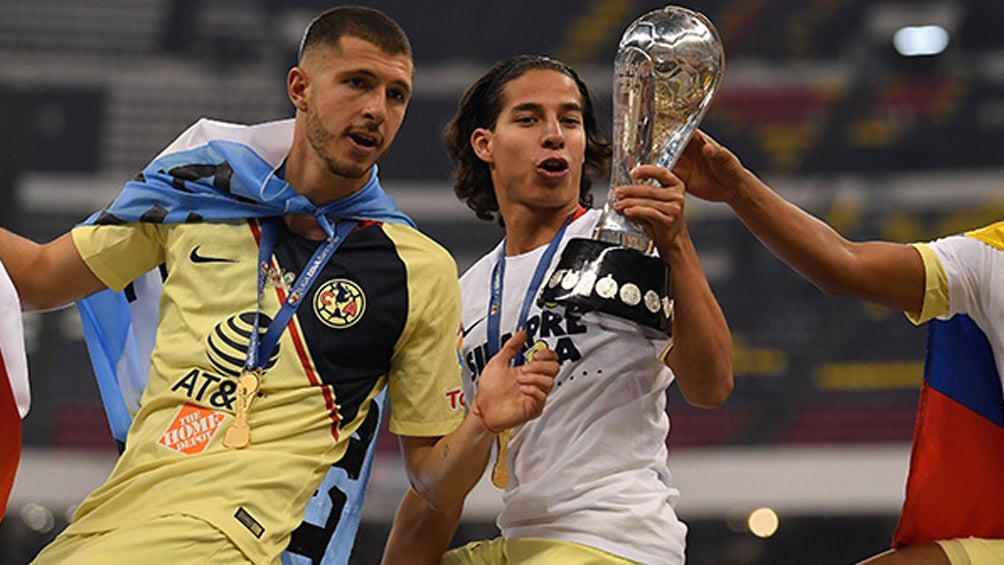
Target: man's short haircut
<point>357,21</point>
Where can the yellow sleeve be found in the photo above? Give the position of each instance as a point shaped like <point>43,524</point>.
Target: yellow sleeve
<point>935,287</point>
<point>424,379</point>
<point>118,254</point>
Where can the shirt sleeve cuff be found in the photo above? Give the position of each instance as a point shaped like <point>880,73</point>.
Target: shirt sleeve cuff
<point>935,287</point>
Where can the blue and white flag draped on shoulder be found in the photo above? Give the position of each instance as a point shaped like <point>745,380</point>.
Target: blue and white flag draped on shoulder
<point>218,171</point>
<point>214,171</point>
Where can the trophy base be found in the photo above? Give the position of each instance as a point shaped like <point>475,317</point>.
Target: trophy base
<point>601,276</point>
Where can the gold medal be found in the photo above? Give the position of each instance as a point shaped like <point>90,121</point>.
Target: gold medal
<point>239,433</point>
<point>500,471</point>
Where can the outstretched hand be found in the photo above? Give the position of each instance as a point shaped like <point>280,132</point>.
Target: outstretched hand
<point>509,396</point>
<point>709,170</point>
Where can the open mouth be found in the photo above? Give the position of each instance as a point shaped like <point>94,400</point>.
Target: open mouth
<point>365,140</point>
<point>553,165</point>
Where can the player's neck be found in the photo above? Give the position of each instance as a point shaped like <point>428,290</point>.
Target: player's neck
<point>320,187</point>
<point>528,231</point>
<point>324,189</point>
<point>305,226</point>
<point>312,178</point>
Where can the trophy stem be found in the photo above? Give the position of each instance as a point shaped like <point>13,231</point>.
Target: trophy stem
<point>611,230</point>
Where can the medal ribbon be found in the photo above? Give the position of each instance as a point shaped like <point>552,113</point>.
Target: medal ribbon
<point>495,302</point>
<point>260,347</point>
<point>500,471</point>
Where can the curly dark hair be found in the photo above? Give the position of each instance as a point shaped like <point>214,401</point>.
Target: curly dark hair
<point>480,108</point>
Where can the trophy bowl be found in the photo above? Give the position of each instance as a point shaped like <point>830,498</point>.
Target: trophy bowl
<point>668,66</point>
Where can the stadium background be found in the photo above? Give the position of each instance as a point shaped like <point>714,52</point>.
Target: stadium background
<point>815,99</point>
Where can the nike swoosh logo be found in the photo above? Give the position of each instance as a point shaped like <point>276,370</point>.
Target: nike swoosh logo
<point>467,330</point>
<point>196,258</point>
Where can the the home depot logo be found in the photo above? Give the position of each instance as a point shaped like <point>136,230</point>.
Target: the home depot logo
<point>192,429</point>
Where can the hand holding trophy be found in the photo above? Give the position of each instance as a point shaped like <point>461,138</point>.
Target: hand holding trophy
<point>668,66</point>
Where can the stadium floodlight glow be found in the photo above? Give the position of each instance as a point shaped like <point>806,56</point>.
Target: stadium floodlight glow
<point>917,41</point>
<point>763,522</point>
<point>37,518</point>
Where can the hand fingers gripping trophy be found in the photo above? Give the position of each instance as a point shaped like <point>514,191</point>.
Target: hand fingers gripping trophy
<point>668,66</point>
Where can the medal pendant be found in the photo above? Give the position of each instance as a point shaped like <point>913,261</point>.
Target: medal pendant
<point>500,471</point>
<point>239,433</point>
<point>237,436</point>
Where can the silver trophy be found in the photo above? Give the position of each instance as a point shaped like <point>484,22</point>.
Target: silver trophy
<point>668,66</point>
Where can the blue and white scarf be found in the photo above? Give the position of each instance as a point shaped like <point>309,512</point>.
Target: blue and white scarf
<point>217,171</point>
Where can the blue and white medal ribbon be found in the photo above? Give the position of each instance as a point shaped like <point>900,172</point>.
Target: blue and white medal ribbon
<point>495,302</point>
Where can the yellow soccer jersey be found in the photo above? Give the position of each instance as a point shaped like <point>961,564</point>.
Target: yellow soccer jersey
<point>383,312</point>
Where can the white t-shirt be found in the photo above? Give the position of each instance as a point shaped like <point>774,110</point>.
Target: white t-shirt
<point>967,278</point>
<point>592,469</point>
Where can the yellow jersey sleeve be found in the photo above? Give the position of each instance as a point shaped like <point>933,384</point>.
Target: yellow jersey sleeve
<point>118,254</point>
<point>424,381</point>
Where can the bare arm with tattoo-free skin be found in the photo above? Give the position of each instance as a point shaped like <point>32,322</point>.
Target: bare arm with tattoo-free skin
<point>443,470</point>
<point>47,275</point>
<point>886,273</point>
<point>420,534</point>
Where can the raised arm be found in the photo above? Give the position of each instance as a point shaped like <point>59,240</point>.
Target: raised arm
<point>890,274</point>
<point>49,275</point>
<point>701,357</point>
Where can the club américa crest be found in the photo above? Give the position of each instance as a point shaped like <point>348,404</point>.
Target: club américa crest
<point>339,303</point>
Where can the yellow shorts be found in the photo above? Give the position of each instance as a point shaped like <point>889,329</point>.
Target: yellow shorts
<point>529,551</point>
<point>176,538</point>
<point>973,551</point>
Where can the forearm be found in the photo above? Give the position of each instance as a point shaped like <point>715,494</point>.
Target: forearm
<point>712,172</point>
<point>420,534</point>
<point>46,276</point>
<point>801,240</point>
<point>701,357</point>
<point>444,472</point>
<point>882,272</point>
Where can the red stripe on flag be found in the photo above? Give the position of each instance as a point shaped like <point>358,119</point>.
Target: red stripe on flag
<point>955,486</point>
<point>10,432</point>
